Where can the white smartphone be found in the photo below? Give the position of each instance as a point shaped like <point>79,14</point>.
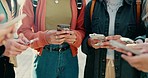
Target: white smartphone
<point>100,37</point>
<point>31,41</point>
<point>122,46</point>
<point>13,21</point>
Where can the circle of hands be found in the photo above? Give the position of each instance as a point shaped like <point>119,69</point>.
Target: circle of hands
<point>59,37</point>
<point>137,61</point>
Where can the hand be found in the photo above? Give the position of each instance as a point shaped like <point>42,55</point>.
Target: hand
<point>142,48</point>
<point>7,32</point>
<point>70,37</point>
<point>140,61</point>
<point>14,47</point>
<point>24,40</point>
<point>56,37</point>
<point>106,43</point>
<point>139,41</point>
<point>95,43</point>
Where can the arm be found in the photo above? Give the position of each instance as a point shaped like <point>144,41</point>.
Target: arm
<point>87,25</point>
<point>28,27</point>
<point>79,30</point>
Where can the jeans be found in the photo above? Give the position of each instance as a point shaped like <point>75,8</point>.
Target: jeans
<point>55,64</point>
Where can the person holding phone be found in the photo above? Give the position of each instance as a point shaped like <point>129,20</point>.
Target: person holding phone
<point>57,48</point>
<point>139,61</point>
<point>9,47</point>
<point>113,19</point>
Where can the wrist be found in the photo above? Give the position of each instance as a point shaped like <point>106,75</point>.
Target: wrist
<point>47,38</point>
<point>89,42</point>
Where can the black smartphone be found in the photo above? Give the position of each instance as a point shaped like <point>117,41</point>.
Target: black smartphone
<point>61,27</point>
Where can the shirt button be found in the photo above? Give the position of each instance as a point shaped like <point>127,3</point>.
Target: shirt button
<point>103,60</point>
<point>103,74</point>
<point>105,32</point>
<point>116,55</point>
<point>116,68</point>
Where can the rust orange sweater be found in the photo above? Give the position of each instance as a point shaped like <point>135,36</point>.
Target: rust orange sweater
<point>31,30</point>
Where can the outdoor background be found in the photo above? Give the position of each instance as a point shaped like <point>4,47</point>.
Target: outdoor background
<point>24,60</point>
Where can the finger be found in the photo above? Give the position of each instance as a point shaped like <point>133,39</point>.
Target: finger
<point>2,16</point>
<point>95,41</point>
<point>117,36</point>
<point>105,43</point>
<point>20,47</point>
<point>20,41</point>
<point>96,47</point>
<point>71,41</point>
<point>17,48</point>
<point>25,40</point>
<point>109,47</point>
<point>136,46</point>
<point>71,37</point>
<point>70,32</point>
<point>61,36</point>
<point>14,53</point>
<point>129,54</point>
<point>57,41</point>
<point>60,32</point>
<point>127,58</point>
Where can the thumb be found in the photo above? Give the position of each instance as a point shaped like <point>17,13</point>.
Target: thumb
<point>127,58</point>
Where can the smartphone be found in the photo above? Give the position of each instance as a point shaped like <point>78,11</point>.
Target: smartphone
<point>13,21</point>
<point>122,46</point>
<point>61,27</point>
<point>100,37</point>
<point>31,41</point>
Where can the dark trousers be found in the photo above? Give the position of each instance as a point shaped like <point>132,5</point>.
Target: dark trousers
<point>6,68</point>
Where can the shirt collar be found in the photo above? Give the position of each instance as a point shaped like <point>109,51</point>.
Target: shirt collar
<point>124,1</point>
